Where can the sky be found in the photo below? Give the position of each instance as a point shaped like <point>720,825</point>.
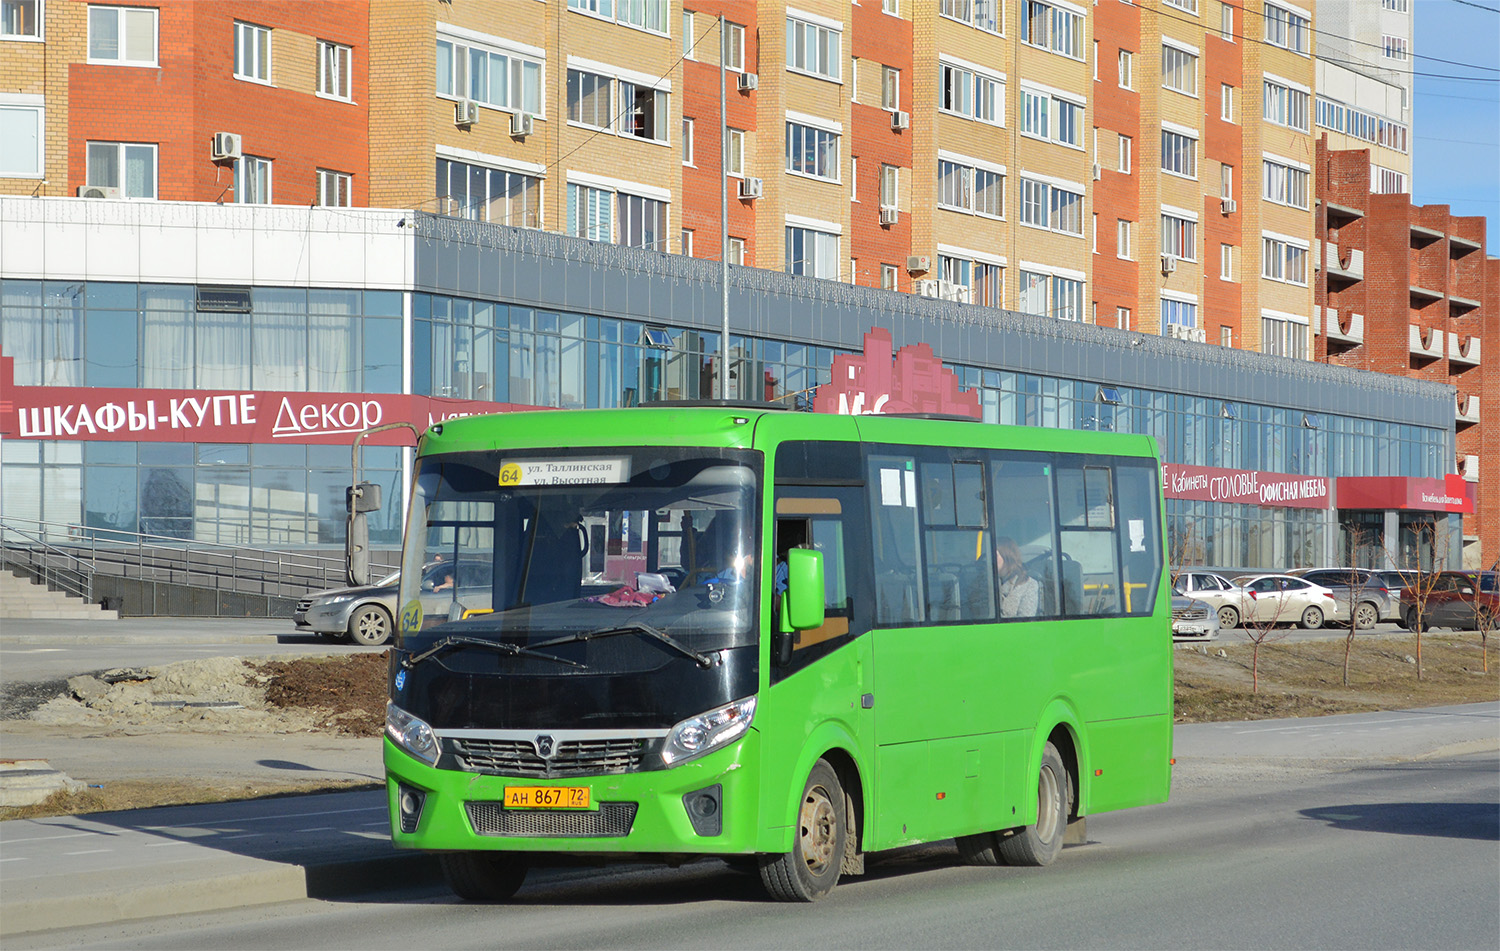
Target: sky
<point>1456,152</point>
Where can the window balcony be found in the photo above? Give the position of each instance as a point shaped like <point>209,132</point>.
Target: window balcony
<point>1459,247</point>
<point>1425,343</point>
<point>1468,467</point>
<point>1466,353</point>
<point>1466,412</point>
<point>1458,306</point>
<point>1347,329</point>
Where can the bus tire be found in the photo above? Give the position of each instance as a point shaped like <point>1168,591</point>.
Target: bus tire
<point>483,876</point>
<point>811,869</point>
<point>1039,844</point>
<point>981,848</point>
<point>370,626</point>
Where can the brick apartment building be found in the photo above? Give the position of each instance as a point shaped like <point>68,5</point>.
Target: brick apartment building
<point>1146,166</point>
<point>1411,290</point>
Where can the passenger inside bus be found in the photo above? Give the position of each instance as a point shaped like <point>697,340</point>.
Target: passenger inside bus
<point>1018,590</point>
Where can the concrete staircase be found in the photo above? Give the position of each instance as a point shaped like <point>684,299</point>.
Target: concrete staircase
<point>21,599</point>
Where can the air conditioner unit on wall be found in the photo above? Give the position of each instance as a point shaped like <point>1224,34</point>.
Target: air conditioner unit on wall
<point>926,288</point>
<point>465,113</point>
<point>521,124</point>
<point>1228,206</point>
<point>226,145</point>
<point>749,82</point>
<point>751,187</point>
<point>889,216</point>
<point>98,191</point>
<point>1168,263</point>
<point>954,292</point>
<point>916,263</point>
<point>900,120</point>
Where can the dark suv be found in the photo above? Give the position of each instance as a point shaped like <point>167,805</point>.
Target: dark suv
<point>1358,591</point>
<point>1462,600</point>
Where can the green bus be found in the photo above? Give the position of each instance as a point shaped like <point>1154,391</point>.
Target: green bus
<point>781,638</point>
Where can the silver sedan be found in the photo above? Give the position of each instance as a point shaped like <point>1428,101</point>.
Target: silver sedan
<point>1283,599</point>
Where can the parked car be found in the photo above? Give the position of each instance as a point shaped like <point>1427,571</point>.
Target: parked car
<point>1462,600</point>
<point>1193,620</point>
<point>362,613</point>
<point>1360,592</point>
<point>1396,582</point>
<point>1217,591</point>
<point>1285,599</point>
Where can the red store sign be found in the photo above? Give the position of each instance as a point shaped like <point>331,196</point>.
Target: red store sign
<point>1452,493</point>
<point>1248,486</point>
<point>237,416</point>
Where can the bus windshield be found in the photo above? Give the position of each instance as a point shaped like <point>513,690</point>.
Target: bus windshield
<point>550,550</point>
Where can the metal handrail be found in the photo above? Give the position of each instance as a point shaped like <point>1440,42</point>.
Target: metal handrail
<point>73,576</point>
<point>214,565</point>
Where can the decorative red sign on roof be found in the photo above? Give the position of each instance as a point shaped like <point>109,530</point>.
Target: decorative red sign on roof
<point>875,382</point>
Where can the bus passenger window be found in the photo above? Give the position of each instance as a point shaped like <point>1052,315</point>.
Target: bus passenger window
<point>1021,487</point>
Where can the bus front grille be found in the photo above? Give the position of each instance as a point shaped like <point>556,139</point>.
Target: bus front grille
<point>572,757</point>
<point>613,819</point>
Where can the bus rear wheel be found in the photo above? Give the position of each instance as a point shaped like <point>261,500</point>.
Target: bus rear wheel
<point>483,876</point>
<point>1038,844</point>
<point>811,869</point>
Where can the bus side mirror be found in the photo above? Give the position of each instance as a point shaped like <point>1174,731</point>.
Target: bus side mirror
<point>804,590</point>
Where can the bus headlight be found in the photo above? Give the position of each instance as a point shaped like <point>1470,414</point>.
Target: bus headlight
<point>411,734</point>
<point>707,732</point>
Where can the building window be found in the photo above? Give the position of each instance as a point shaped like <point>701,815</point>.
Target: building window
<point>252,52</point>
<point>21,18</point>
<point>890,88</point>
<point>1226,181</point>
<point>1191,6</point>
<point>1282,337</point>
<point>335,189</point>
<point>1286,29</point>
<point>1052,28</point>
<point>889,191</point>
<point>642,14</point>
<point>813,152</point>
<point>1362,125</point>
<point>590,213</point>
<point>1044,116</point>
<point>503,80</point>
<point>1122,318</point>
<point>252,180</point>
<point>888,277</point>
<point>967,188</point>
<point>1394,47</point>
<point>970,94</point>
<point>1226,263</point>
<point>812,253</point>
<point>687,242</point>
<point>689,35</point>
<point>335,70</point>
<point>736,152</point>
<point>1047,295</point>
<point>1179,237</point>
<point>589,96</point>
<point>1285,105</point>
<point>1179,154</point>
<point>648,114</point>
<point>1178,313</point>
<point>1284,184</point>
<point>1386,181</point>
<point>1283,260</point>
<point>1226,22</point>
<point>1400,6</point>
<point>736,250</point>
<point>127,166</point>
<point>1226,102</point>
<point>1125,154</point>
<point>734,46</point>
<point>983,14</point>
<point>854,178</point>
<point>890,6</point>
<point>124,36</point>
<point>1179,70</point>
<point>591,99</point>
<point>687,141</point>
<point>812,49</point>
<point>1125,69</point>
<point>21,140</point>
<point>1123,239</point>
<point>496,195</point>
<point>1044,205</point>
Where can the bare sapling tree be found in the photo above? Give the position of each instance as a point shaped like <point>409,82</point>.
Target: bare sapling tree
<point>1429,536</point>
<point>1265,617</point>
<point>1485,620</point>
<point>1360,583</point>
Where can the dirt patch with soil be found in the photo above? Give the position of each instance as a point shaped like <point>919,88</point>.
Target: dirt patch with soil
<point>345,695</point>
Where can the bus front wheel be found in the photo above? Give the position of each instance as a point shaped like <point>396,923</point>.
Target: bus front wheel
<point>811,869</point>
<point>1039,844</point>
<point>483,876</point>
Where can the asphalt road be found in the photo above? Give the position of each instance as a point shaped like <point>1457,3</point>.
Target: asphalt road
<point>1391,855</point>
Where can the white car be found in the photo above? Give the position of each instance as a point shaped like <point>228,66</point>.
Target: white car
<point>1193,620</point>
<point>1217,591</point>
<point>1284,599</point>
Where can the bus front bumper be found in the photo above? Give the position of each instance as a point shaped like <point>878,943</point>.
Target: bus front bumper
<point>708,806</point>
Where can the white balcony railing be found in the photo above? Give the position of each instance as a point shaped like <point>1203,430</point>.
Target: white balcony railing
<point>1467,409</point>
<point>1467,353</point>
<point>1468,467</point>
<point>1426,342</point>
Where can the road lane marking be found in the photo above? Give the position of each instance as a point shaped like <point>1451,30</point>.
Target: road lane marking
<point>278,816</point>
<point>89,852</point>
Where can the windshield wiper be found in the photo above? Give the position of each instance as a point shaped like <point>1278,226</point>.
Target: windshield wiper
<point>459,640</point>
<point>636,627</point>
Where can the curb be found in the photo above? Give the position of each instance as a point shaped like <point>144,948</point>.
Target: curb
<point>94,639</point>
<point>100,899</point>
